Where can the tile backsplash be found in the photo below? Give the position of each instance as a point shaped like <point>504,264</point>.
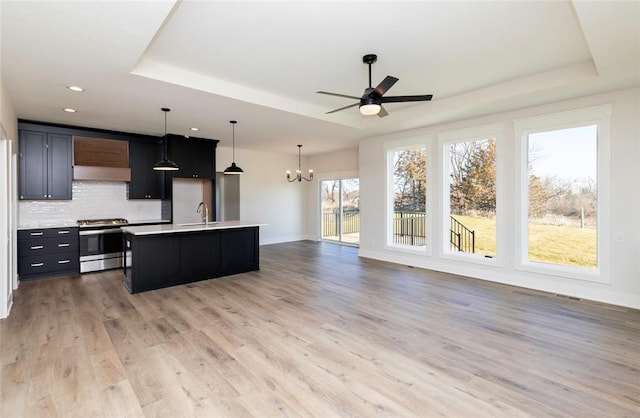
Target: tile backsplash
<point>91,200</point>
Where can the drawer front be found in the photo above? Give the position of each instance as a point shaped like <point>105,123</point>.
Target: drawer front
<point>48,263</point>
<point>47,233</point>
<point>38,246</point>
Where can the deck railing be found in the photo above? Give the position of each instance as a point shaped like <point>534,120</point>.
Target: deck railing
<point>409,228</point>
<point>461,238</point>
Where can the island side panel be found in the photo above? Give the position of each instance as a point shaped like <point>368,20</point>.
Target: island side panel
<point>156,262</point>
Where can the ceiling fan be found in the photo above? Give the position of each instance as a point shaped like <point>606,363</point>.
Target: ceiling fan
<point>372,99</point>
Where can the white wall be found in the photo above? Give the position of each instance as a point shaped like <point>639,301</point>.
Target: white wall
<point>624,276</point>
<point>8,146</point>
<point>265,194</point>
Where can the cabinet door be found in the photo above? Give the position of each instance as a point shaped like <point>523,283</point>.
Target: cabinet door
<point>203,159</point>
<point>194,156</point>
<point>146,183</point>
<point>60,167</point>
<point>138,161</point>
<point>155,178</point>
<point>33,165</point>
<point>179,153</point>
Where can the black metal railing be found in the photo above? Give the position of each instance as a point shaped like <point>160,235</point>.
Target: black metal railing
<point>409,228</point>
<point>462,238</point>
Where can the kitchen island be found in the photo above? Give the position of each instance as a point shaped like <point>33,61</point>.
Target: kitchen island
<point>159,256</point>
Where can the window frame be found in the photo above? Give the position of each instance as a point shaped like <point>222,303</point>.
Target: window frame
<point>401,145</point>
<point>595,115</point>
<point>445,139</point>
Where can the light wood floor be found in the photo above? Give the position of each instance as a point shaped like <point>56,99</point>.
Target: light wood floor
<point>317,332</point>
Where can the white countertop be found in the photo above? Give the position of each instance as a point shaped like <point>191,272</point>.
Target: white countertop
<point>190,227</point>
<point>69,224</point>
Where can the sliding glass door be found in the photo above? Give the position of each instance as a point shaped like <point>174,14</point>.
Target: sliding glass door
<point>340,212</point>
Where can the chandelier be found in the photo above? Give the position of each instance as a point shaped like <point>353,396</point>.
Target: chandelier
<point>299,171</point>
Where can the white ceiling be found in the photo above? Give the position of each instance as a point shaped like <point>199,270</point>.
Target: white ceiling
<point>261,62</point>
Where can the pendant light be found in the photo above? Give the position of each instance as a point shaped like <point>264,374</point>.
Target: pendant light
<point>233,168</point>
<point>166,164</point>
<point>299,171</point>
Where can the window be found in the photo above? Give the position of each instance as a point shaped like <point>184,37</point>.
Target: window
<point>562,196</point>
<point>469,192</point>
<point>408,194</point>
<point>564,163</point>
<point>340,212</point>
<point>471,210</point>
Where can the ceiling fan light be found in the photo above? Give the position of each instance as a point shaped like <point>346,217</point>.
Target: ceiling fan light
<point>370,109</point>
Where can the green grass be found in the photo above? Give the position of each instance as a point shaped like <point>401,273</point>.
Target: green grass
<point>554,244</point>
<point>485,232</point>
<point>565,245</point>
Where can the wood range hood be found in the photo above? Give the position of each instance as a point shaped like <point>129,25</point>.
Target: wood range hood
<point>100,159</point>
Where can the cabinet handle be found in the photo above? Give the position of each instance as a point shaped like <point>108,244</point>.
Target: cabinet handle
<point>37,264</point>
<point>37,247</point>
<point>63,261</point>
<point>63,232</point>
<point>35,234</point>
<point>64,244</point>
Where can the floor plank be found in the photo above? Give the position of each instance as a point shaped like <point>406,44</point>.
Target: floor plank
<point>317,332</point>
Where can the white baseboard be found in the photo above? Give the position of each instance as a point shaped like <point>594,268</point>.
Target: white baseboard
<point>513,279</point>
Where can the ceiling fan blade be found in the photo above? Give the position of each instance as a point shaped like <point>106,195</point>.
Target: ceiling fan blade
<point>384,85</point>
<point>338,94</point>
<point>342,108</point>
<point>383,112</point>
<point>398,99</point>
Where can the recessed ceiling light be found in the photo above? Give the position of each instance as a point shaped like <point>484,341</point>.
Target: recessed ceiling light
<point>68,109</point>
<point>194,129</point>
<point>75,88</point>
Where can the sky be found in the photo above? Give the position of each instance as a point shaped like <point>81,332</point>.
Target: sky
<point>568,153</point>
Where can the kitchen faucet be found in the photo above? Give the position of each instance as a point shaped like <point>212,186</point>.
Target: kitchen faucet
<point>206,212</point>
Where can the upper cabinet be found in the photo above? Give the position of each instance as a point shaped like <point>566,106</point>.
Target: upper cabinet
<point>146,183</point>
<point>45,166</point>
<point>196,157</point>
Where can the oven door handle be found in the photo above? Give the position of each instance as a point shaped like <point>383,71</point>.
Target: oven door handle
<point>101,231</point>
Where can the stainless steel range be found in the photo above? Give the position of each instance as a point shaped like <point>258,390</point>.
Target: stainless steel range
<point>100,244</point>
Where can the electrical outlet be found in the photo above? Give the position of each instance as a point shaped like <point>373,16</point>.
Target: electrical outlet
<point>620,237</point>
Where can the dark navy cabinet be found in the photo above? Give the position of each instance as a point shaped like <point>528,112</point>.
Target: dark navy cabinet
<point>194,156</point>
<point>160,260</point>
<point>46,164</point>
<point>146,183</point>
<point>48,252</point>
